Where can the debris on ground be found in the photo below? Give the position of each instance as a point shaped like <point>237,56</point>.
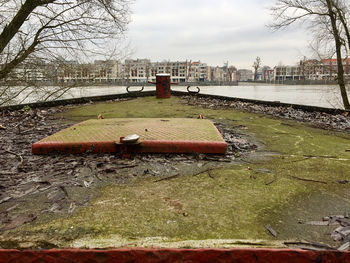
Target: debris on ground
<point>271,231</point>
<point>65,182</point>
<point>18,221</point>
<point>340,234</point>
<point>323,120</point>
<point>308,245</point>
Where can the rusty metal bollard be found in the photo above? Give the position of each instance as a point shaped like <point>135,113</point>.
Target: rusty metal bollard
<point>163,86</point>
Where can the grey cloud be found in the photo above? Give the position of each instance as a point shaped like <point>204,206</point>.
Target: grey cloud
<point>211,31</point>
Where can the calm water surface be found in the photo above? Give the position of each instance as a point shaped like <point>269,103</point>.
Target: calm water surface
<point>323,96</point>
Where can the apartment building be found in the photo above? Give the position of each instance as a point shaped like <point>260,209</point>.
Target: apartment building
<point>107,71</point>
<point>138,70</point>
<point>179,71</point>
<point>34,71</point>
<point>101,71</point>
<point>245,75</point>
<point>223,74</point>
<point>199,72</point>
<point>283,73</point>
<point>132,70</point>
<point>325,69</point>
<point>143,70</point>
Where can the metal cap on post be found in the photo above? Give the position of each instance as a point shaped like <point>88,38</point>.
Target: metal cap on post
<point>163,86</point>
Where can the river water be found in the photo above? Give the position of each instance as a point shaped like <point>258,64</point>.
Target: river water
<point>322,95</point>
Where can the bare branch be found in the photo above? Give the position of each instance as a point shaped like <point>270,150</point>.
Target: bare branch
<point>326,20</point>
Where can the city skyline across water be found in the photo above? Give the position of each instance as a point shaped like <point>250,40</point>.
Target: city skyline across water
<point>327,96</point>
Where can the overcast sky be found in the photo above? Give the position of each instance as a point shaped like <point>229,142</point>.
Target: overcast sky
<point>213,31</point>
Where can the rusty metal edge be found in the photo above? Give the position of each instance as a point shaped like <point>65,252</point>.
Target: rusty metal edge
<point>160,146</point>
<point>148,255</point>
<point>151,146</point>
<point>43,148</point>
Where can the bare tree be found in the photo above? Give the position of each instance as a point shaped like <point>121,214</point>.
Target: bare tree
<point>54,31</point>
<point>327,20</point>
<point>256,66</point>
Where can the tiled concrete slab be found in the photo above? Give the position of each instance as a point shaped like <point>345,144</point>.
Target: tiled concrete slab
<point>179,135</point>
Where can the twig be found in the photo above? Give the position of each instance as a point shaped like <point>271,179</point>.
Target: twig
<point>321,156</point>
<point>167,178</point>
<point>273,180</point>
<point>308,180</point>
<point>7,173</point>
<point>127,166</point>
<point>209,174</point>
<point>25,131</point>
<point>305,158</point>
<point>64,190</point>
<point>246,161</point>
<point>271,231</point>
<point>218,159</point>
<point>18,155</point>
<point>207,171</point>
<point>308,245</point>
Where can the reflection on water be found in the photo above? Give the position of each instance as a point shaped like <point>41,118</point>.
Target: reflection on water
<point>323,96</point>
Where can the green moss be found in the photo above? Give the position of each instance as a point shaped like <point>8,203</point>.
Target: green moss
<point>148,107</point>
<point>230,203</point>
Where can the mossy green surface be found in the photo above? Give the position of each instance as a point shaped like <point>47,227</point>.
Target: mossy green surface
<point>298,183</point>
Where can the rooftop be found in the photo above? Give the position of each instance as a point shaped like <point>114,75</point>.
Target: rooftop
<point>278,180</point>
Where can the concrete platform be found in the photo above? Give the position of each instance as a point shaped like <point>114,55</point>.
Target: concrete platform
<point>157,135</point>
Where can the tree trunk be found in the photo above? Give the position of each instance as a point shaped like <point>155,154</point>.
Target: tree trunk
<point>337,40</point>
<point>12,28</point>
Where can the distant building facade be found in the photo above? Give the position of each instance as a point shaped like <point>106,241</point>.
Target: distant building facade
<point>325,69</point>
<point>283,73</point>
<point>223,74</point>
<point>245,75</point>
<point>101,71</point>
<point>144,70</point>
<point>199,72</point>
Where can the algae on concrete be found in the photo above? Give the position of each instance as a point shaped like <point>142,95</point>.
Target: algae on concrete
<point>220,206</point>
